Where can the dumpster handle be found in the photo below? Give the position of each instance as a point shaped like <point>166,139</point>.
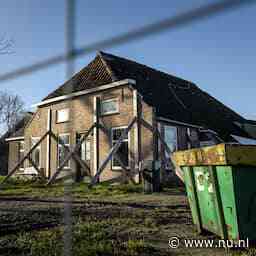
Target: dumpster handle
<point>213,173</point>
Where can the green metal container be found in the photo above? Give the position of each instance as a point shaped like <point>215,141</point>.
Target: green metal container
<point>221,188</point>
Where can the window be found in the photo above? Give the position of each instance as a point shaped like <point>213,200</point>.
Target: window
<point>85,150</point>
<point>123,151</point>
<point>109,106</point>
<point>62,115</point>
<point>21,154</point>
<point>36,152</point>
<point>170,136</point>
<point>62,153</point>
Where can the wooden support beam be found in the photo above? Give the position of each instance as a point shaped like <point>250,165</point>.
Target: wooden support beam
<point>156,174</point>
<point>39,171</point>
<point>126,172</point>
<point>24,158</point>
<point>171,162</point>
<point>155,137</point>
<point>48,146</point>
<point>137,109</point>
<point>193,137</point>
<point>97,111</point>
<point>162,151</point>
<point>150,127</point>
<point>83,164</point>
<point>112,151</point>
<point>71,153</point>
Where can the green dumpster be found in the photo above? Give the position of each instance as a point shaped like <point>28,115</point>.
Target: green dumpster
<point>221,188</point>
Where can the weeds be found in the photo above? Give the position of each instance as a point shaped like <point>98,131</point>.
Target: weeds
<point>89,239</point>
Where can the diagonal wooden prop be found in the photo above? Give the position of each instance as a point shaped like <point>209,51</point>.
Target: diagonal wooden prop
<point>126,172</point>
<point>171,161</point>
<point>71,153</point>
<point>112,152</point>
<point>39,171</point>
<point>27,156</point>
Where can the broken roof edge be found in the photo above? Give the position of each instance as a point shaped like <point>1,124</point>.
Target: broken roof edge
<point>86,91</point>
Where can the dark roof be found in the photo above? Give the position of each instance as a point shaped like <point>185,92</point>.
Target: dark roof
<point>173,97</point>
<point>253,122</point>
<point>19,128</point>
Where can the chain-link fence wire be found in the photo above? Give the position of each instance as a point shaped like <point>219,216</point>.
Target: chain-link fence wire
<point>70,45</point>
<point>172,23</point>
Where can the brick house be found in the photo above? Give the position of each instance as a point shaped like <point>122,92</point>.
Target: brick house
<point>185,115</point>
<point>16,132</point>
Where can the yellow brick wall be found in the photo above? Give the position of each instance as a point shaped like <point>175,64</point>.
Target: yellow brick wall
<point>81,119</point>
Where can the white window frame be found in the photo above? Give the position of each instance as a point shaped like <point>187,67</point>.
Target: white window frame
<point>109,112</point>
<point>38,147</point>
<point>58,145</point>
<point>57,115</point>
<point>128,140</point>
<point>21,151</point>
<point>87,140</point>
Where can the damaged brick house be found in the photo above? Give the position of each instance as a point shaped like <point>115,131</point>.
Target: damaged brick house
<point>185,115</point>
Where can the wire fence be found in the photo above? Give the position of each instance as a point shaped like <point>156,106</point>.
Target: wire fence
<point>172,23</point>
<point>183,19</point>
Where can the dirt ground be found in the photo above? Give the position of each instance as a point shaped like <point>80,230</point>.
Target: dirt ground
<point>152,218</point>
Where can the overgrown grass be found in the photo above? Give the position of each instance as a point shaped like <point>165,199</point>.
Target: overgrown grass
<point>37,188</point>
<point>89,239</point>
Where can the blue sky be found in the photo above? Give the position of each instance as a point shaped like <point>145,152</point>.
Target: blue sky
<point>218,53</point>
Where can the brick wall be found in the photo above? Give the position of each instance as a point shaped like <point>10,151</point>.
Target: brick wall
<point>81,119</point>
<point>13,154</point>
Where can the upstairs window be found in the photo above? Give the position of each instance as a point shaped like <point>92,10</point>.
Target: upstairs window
<point>62,115</point>
<point>62,153</point>
<point>109,107</point>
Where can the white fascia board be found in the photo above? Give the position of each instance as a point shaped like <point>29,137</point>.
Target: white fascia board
<point>87,91</point>
<point>15,138</point>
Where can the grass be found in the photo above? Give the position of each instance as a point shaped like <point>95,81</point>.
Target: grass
<point>112,236</point>
<point>88,239</point>
<point>98,228</point>
<point>18,187</point>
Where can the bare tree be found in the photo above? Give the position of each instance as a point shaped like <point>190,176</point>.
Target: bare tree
<point>6,45</point>
<point>11,110</point>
